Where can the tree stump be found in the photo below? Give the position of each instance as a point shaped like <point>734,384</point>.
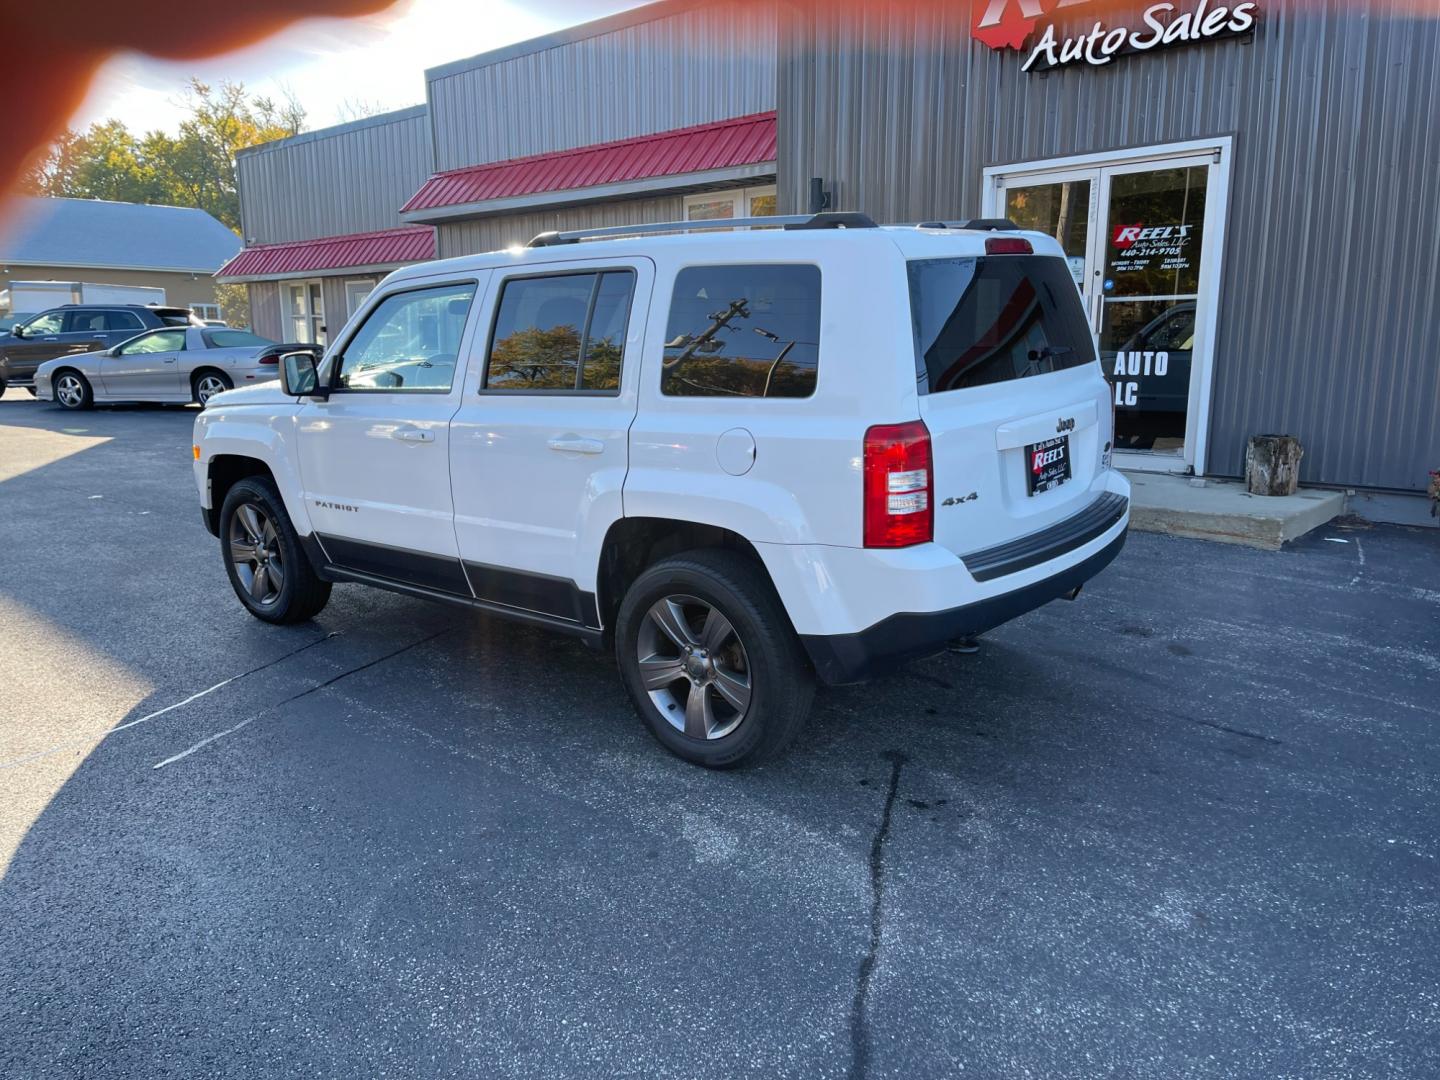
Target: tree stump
<point>1272,464</point>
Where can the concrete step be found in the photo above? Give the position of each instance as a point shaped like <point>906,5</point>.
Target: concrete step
<point>1222,510</point>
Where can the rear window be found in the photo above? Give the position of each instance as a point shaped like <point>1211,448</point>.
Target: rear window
<point>233,339</point>
<point>990,320</point>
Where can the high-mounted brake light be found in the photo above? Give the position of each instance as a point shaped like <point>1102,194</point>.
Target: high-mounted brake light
<point>898,486</point>
<point>1007,245</point>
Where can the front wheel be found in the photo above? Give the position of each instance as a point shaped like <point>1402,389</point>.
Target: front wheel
<point>72,390</point>
<point>711,661</point>
<point>268,568</point>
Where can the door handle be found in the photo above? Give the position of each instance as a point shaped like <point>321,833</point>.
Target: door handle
<point>171,360</point>
<point>413,435</point>
<point>574,444</point>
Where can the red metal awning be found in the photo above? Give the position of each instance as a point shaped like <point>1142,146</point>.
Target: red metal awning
<point>388,247</point>
<point>743,140</point>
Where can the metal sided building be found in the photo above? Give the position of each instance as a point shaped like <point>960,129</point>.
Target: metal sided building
<point>320,217</point>
<point>656,114</point>
<point>1248,191</point>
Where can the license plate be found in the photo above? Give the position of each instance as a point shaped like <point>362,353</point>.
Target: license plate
<point>1047,464</point>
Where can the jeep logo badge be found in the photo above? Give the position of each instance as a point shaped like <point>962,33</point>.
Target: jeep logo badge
<point>1065,423</point>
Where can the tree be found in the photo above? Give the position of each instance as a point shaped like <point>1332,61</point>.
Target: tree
<point>194,167</point>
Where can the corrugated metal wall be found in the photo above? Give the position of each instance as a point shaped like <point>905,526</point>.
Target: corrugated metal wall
<point>1330,302</point>
<point>346,179</point>
<point>502,231</point>
<point>693,66</point>
<point>265,310</point>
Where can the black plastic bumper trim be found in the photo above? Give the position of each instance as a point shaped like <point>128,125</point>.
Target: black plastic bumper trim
<point>847,658</point>
<point>1064,536</point>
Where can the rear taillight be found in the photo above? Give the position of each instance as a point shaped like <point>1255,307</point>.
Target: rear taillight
<point>898,486</point>
<point>1008,245</point>
<point>271,359</point>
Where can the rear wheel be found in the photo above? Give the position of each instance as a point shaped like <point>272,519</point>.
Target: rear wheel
<point>72,390</point>
<point>711,661</point>
<point>210,383</point>
<point>268,568</point>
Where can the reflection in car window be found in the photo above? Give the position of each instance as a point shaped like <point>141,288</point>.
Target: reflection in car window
<point>122,320</point>
<point>159,341</point>
<point>233,339</point>
<point>49,323</point>
<point>409,341</point>
<point>93,322</point>
<point>561,332</point>
<point>743,331</point>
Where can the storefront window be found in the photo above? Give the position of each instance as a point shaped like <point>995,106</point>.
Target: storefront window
<point>1150,292</point>
<point>1061,210</point>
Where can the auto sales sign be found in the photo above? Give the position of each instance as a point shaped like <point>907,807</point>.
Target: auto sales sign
<point>1035,27</point>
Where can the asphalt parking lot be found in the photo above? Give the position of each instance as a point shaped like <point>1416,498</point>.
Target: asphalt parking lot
<point>1183,827</point>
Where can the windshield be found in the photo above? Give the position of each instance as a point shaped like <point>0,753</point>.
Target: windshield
<point>990,320</point>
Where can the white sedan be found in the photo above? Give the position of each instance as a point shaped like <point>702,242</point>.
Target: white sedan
<point>176,363</point>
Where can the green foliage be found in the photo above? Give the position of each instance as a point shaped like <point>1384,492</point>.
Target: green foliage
<point>193,167</point>
<point>234,301</point>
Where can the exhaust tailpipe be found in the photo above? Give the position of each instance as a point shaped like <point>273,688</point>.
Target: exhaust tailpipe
<point>1073,593</point>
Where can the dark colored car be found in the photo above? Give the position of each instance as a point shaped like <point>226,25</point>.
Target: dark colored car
<point>78,328</point>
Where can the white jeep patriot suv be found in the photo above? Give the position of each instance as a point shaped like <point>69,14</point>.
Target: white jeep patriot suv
<point>745,460</point>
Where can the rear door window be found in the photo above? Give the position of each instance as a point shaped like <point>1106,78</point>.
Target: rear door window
<point>743,331</point>
<point>988,320</point>
<point>561,332</point>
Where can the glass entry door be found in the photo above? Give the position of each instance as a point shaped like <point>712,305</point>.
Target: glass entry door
<point>1139,237</point>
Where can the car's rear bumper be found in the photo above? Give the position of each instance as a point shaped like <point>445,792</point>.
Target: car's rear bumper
<point>878,649</point>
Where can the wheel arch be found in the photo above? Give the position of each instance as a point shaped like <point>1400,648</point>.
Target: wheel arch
<point>223,473</point>
<point>632,544</point>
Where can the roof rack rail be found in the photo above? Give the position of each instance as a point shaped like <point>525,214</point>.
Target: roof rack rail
<point>978,224</point>
<point>786,221</point>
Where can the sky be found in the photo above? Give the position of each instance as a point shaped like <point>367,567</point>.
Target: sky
<point>333,66</point>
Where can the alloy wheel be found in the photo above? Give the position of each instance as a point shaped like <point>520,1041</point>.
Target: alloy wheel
<point>70,390</point>
<point>255,553</point>
<point>208,387</point>
<point>694,667</point>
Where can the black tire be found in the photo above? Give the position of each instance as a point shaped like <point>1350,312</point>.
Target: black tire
<point>301,595</point>
<point>31,389</point>
<point>777,676</point>
<point>83,397</point>
<point>2,387</point>
<point>202,377</point>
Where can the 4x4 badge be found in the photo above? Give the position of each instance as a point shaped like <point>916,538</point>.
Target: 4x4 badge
<point>1066,423</point>
<point>953,501</point>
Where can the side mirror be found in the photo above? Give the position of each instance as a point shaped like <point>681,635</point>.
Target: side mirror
<point>298,376</point>
<point>17,330</point>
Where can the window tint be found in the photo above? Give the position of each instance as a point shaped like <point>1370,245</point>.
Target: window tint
<point>743,331</point>
<point>409,342</point>
<point>233,339</point>
<point>561,332</point>
<point>48,323</point>
<point>123,320</point>
<point>159,341</point>
<point>87,322</point>
<point>989,320</point>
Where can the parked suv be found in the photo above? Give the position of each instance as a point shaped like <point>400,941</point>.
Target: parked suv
<point>743,460</point>
<point>77,328</point>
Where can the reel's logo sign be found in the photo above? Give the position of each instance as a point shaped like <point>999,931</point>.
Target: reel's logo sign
<point>1013,24</point>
